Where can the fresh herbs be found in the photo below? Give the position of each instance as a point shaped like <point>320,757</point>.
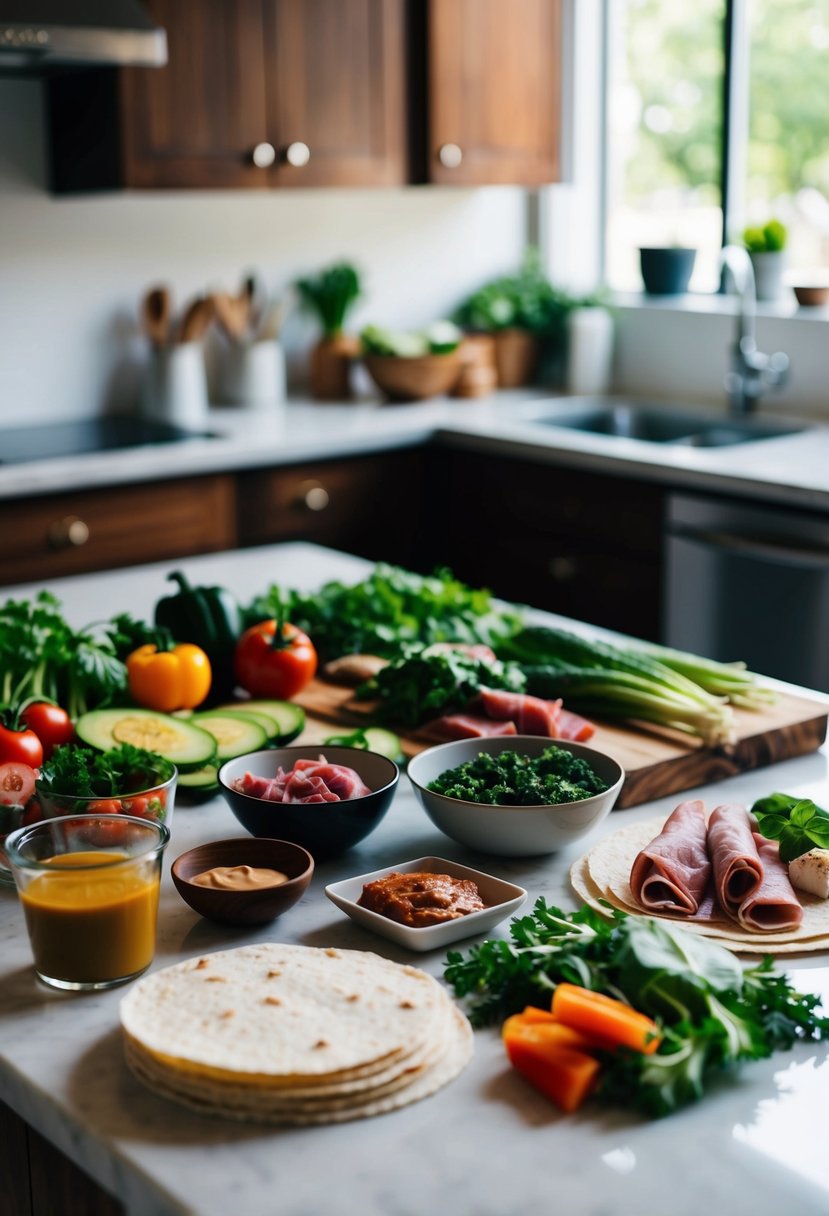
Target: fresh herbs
<point>82,772</point>
<point>429,682</point>
<point>510,779</point>
<point>43,657</point>
<point>331,295</point>
<point>389,608</point>
<point>712,1013</point>
<point>797,823</point>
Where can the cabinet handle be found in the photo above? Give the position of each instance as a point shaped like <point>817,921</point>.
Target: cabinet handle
<point>263,156</point>
<point>313,497</point>
<point>68,533</point>
<point>297,154</point>
<point>450,155</point>
<point>563,569</point>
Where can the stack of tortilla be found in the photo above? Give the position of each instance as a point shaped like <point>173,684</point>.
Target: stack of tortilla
<point>604,874</point>
<point>292,1034</point>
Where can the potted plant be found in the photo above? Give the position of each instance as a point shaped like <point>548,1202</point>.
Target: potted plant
<point>330,296</point>
<point>666,269</point>
<point>766,245</point>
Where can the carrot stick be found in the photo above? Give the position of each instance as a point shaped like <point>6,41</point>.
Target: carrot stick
<point>546,1033</point>
<point>563,1075</point>
<point>605,1020</point>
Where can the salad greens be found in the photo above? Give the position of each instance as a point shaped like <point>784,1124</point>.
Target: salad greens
<point>426,683</point>
<point>389,608</point>
<point>712,1013</point>
<point>797,823</point>
<point>510,779</point>
<point>85,772</point>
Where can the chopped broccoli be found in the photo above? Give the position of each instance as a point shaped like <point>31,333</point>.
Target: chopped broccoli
<point>510,779</point>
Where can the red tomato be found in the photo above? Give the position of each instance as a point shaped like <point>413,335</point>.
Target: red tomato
<point>105,806</point>
<point>17,784</point>
<point>271,664</point>
<point>20,747</point>
<point>51,724</point>
<point>108,833</point>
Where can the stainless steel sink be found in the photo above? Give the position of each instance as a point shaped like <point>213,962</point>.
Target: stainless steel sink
<point>655,424</point>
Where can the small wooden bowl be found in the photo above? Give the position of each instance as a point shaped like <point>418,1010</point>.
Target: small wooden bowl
<point>414,379</point>
<point>244,907</point>
<point>813,295</point>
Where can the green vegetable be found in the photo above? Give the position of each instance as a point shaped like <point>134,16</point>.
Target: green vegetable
<point>426,683</point>
<point>713,1014</point>
<point>608,681</point>
<point>177,739</point>
<point>386,610</point>
<point>729,680</point>
<point>42,657</point>
<point>797,823</point>
<point>371,739</point>
<point>209,617</point>
<point>441,338</point>
<point>330,296</point>
<point>765,238</point>
<point>235,734</point>
<point>126,633</point>
<point>510,779</point>
<point>287,719</point>
<point>83,772</point>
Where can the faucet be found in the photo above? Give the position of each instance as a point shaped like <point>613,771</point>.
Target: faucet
<point>752,371</point>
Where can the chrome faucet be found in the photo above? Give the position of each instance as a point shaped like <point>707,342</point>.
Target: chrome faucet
<point>752,372</point>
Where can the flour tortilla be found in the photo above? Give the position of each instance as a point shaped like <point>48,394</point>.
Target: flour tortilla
<point>603,874</point>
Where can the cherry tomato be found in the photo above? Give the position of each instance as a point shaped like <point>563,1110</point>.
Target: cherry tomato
<point>108,833</point>
<point>20,747</point>
<point>274,662</point>
<point>105,806</point>
<point>51,724</point>
<point>17,784</point>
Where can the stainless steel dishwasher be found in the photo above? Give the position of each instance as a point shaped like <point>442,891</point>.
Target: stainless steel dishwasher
<point>749,582</point>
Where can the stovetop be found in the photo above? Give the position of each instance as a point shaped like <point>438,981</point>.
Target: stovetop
<point>18,445</point>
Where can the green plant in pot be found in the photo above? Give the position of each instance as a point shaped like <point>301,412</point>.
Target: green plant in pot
<point>666,269</point>
<point>330,296</point>
<point>766,245</point>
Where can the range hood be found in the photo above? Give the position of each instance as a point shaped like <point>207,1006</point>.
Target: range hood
<point>37,36</point>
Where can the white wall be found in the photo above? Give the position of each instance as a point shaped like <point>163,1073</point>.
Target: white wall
<point>72,270</point>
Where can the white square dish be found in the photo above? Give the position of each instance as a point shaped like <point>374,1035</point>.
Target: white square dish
<point>501,899</point>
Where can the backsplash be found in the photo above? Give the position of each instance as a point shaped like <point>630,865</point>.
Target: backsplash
<point>72,270</point>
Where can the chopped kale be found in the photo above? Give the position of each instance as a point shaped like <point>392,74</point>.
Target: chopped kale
<point>510,779</point>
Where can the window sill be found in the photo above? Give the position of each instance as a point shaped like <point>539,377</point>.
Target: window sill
<point>710,304</point>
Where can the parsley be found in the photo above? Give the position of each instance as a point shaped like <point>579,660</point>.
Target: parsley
<point>797,823</point>
<point>511,779</point>
<point>82,772</point>
<point>712,1013</point>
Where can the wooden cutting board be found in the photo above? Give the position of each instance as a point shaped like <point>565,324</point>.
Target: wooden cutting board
<point>657,762</point>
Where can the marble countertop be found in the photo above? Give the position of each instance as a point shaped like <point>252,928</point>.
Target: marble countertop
<point>792,469</point>
<point>487,1144</point>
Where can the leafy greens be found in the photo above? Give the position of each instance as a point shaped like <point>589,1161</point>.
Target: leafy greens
<point>512,779</point>
<point>83,772</point>
<point>797,823</point>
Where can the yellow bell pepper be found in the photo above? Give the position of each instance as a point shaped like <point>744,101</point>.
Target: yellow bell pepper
<point>166,680</point>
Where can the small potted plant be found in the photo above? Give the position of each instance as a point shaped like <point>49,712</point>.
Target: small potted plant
<point>666,269</point>
<point>766,245</point>
<point>330,296</point>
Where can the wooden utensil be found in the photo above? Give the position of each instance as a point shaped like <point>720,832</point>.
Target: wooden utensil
<point>155,315</point>
<point>196,320</point>
<point>254,295</point>
<point>232,314</point>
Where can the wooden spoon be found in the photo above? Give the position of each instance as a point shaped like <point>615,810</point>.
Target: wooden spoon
<point>196,320</point>
<point>232,314</point>
<point>155,314</point>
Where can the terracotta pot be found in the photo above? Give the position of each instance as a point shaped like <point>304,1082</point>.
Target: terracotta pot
<point>516,357</point>
<point>479,375</point>
<point>330,367</point>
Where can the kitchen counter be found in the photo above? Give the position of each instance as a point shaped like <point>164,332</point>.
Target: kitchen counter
<point>791,469</point>
<point>487,1144</point>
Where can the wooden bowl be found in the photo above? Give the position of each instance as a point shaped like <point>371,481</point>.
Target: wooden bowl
<point>812,295</point>
<point>417,378</point>
<point>243,907</point>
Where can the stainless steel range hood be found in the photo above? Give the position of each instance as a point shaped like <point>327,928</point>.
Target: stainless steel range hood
<point>37,36</point>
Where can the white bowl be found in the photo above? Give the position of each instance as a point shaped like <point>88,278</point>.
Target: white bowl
<point>501,899</point>
<point>512,831</point>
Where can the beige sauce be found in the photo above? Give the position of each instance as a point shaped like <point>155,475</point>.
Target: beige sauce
<point>239,878</point>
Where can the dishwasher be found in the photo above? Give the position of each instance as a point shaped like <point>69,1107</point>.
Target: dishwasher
<point>749,582</point>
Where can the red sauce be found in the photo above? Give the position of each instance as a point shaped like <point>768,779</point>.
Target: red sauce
<point>421,899</point>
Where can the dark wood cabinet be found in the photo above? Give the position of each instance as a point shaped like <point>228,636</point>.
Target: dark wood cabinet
<point>493,91</point>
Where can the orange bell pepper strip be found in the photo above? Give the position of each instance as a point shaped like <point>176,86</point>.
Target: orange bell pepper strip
<point>563,1074</point>
<point>608,1022</point>
<point>543,1033</point>
<point>166,680</point>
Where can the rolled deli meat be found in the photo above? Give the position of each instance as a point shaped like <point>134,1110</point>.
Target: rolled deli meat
<point>671,873</point>
<point>774,906</point>
<point>738,870</point>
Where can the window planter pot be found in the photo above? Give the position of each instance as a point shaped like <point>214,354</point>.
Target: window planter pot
<point>667,271</point>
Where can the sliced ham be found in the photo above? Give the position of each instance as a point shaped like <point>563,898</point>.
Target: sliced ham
<point>572,726</point>
<point>774,906</point>
<point>738,870</point>
<point>672,872</point>
<point>308,781</point>
<point>464,726</point>
<point>531,715</point>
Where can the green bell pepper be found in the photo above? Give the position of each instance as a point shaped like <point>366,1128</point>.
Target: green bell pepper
<point>209,617</point>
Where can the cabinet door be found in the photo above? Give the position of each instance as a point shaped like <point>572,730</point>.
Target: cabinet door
<point>336,91</point>
<point>493,91</point>
<point>197,121</point>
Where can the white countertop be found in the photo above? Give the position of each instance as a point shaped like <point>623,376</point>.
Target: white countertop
<point>486,1145</point>
<point>791,469</point>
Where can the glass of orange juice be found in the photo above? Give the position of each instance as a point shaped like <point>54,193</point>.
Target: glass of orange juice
<point>89,888</point>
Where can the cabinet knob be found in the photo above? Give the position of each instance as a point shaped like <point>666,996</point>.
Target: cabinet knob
<point>263,156</point>
<point>68,533</point>
<point>313,496</point>
<point>450,155</point>
<point>297,154</point>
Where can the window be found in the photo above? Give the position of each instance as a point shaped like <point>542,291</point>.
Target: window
<point>718,117</point>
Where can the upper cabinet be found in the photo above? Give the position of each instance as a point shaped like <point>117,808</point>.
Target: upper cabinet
<point>493,91</point>
<point>260,94</point>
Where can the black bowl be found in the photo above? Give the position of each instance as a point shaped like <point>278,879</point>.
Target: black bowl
<point>324,828</point>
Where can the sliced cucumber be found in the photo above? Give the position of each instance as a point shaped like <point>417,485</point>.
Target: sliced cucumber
<point>372,739</point>
<point>268,723</point>
<point>199,785</point>
<point>188,746</point>
<point>235,733</point>
<point>289,718</point>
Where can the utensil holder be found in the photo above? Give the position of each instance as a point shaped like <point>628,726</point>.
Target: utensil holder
<point>253,374</point>
<point>175,388</point>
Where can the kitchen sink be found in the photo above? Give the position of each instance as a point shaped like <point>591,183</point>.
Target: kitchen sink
<point>654,424</point>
